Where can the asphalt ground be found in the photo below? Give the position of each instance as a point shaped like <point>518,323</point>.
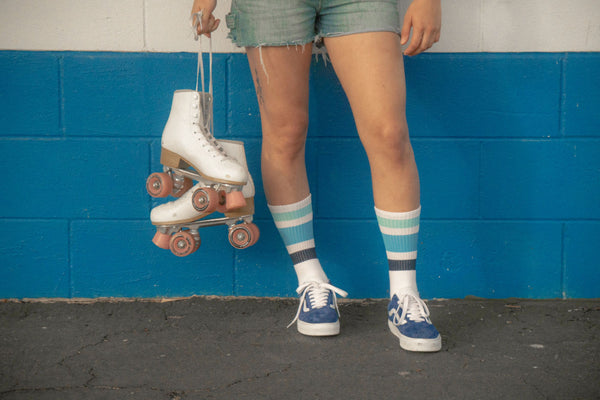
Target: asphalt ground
<point>239,348</point>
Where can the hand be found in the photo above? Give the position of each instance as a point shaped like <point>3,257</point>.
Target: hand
<point>425,19</point>
<point>208,23</point>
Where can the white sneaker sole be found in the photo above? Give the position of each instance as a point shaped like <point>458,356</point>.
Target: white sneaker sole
<point>412,344</point>
<point>324,329</point>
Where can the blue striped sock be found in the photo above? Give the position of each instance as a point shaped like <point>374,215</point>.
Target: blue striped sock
<point>400,231</point>
<point>295,224</point>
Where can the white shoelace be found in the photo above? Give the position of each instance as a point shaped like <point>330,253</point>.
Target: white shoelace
<point>413,308</point>
<point>317,293</point>
<point>206,130</point>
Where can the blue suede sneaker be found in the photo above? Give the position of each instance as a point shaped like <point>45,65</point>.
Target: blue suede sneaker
<point>408,319</point>
<point>318,313</point>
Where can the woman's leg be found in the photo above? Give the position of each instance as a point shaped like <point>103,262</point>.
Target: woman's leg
<point>280,77</point>
<point>281,80</point>
<point>370,69</point>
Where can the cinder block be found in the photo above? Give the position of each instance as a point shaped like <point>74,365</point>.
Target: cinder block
<point>79,178</point>
<point>168,27</point>
<point>118,258</point>
<point>581,260</point>
<point>76,25</point>
<point>265,269</point>
<point>34,258</point>
<point>490,259</point>
<point>30,94</point>
<point>130,94</point>
<point>449,179</point>
<point>244,114</point>
<point>329,111</point>
<point>540,179</point>
<point>353,256</point>
<point>483,95</point>
<point>540,25</point>
<point>582,94</point>
<point>343,180</point>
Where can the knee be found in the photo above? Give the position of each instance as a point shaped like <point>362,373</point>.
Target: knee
<point>388,141</point>
<point>285,140</point>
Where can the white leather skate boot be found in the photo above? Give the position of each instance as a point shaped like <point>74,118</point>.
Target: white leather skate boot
<point>201,200</point>
<point>236,150</point>
<point>188,142</point>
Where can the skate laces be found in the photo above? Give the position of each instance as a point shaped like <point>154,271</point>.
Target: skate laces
<point>205,105</point>
<point>413,309</point>
<point>316,295</point>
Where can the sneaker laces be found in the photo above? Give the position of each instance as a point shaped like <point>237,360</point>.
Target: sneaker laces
<point>317,293</point>
<point>413,308</point>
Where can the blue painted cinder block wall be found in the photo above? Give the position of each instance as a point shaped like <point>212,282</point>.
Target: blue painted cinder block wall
<point>508,147</point>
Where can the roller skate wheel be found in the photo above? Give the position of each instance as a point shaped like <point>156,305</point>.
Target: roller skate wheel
<point>205,200</point>
<point>182,244</point>
<point>240,236</point>
<point>159,184</point>
<point>234,200</point>
<point>255,233</point>
<point>162,240</point>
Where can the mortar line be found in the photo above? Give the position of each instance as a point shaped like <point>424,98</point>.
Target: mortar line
<point>70,257</point>
<point>562,96</point>
<point>144,39</point>
<point>61,95</point>
<point>563,263</point>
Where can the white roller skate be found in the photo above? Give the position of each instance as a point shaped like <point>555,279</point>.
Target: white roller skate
<point>189,152</point>
<point>177,222</point>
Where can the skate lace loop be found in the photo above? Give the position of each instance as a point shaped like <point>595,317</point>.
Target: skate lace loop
<point>215,149</point>
<point>316,295</point>
<point>413,309</point>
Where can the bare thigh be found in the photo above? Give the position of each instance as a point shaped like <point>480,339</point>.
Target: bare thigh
<point>281,76</point>
<point>371,71</point>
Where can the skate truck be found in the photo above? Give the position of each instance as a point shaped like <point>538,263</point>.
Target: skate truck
<point>190,153</point>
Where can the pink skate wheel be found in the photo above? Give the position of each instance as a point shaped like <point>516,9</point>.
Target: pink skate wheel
<point>162,240</point>
<point>234,200</point>
<point>254,233</point>
<point>182,244</point>
<point>159,184</point>
<point>205,200</point>
<point>240,236</point>
<point>187,185</point>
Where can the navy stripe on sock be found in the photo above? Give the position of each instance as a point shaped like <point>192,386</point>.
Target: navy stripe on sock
<point>402,265</point>
<point>303,255</point>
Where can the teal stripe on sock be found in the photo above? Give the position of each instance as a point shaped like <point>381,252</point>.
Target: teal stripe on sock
<point>401,243</point>
<point>297,234</point>
<point>398,223</point>
<point>292,215</point>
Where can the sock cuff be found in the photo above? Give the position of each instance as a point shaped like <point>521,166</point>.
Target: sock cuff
<point>398,215</point>
<point>290,207</point>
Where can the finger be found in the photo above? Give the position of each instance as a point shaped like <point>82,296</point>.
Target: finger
<point>206,21</point>
<point>405,33</point>
<point>427,42</point>
<point>415,43</point>
<point>212,26</point>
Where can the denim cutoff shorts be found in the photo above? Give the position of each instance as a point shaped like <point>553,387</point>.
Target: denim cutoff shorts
<point>296,22</point>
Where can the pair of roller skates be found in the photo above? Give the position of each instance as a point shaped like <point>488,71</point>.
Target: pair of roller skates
<point>190,153</point>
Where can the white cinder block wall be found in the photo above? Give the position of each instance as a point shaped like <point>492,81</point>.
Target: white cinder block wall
<point>164,25</point>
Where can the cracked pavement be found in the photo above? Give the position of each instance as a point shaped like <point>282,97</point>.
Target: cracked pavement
<point>239,348</point>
